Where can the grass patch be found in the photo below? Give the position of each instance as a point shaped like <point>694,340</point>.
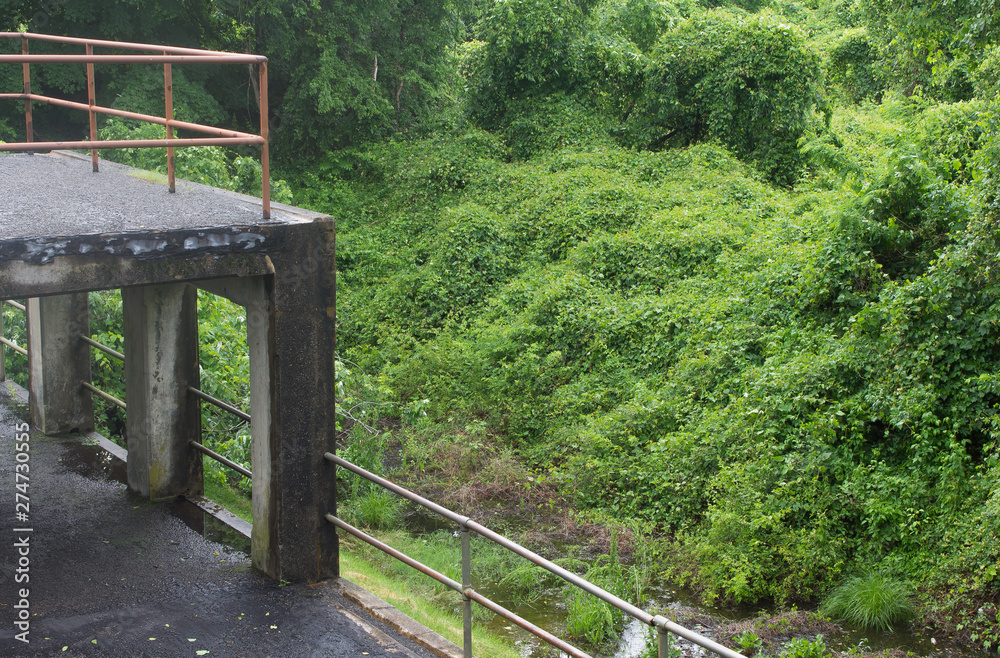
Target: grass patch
<point>416,605</point>
<point>871,601</point>
<point>234,501</point>
<point>150,176</point>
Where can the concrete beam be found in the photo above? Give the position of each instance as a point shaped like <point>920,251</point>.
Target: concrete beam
<point>59,363</point>
<point>98,271</point>
<point>161,362</point>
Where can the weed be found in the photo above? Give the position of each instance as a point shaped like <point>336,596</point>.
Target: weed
<point>802,648</point>
<point>749,642</point>
<point>872,600</point>
<point>376,509</point>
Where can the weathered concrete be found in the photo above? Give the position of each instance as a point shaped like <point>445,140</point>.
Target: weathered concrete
<point>117,200</point>
<point>300,331</point>
<point>161,362</point>
<point>59,362</point>
<point>290,336</point>
<point>115,229</point>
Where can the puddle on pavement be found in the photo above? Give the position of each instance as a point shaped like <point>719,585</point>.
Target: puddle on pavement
<point>86,458</point>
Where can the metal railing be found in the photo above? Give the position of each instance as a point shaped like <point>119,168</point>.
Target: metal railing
<point>663,626</point>
<point>170,55</point>
<point>5,342</point>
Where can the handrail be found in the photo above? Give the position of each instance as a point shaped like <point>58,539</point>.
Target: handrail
<point>104,348</point>
<point>225,406</point>
<point>455,585</point>
<point>107,396</point>
<point>659,622</point>
<point>219,458</point>
<point>170,55</point>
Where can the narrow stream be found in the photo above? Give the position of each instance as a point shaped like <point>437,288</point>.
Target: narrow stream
<point>549,611</point>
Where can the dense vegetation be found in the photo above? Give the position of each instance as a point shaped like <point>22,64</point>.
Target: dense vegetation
<point>731,271</point>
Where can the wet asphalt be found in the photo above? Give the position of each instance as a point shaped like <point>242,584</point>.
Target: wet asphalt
<point>110,574</point>
<point>59,195</point>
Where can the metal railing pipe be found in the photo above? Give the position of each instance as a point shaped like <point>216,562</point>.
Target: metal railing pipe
<point>222,460</point>
<point>98,392</point>
<point>469,592</point>
<point>514,547</point>
<point>125,114</point>
<point>134,143</point>
<point>133,59</point>
<point>14,346</point>
<point>123,45</point>
<point>391,486</point>
<point>11,302</point>
<point>551,639</point>
<point>225,406</point>
<point>104,348</point>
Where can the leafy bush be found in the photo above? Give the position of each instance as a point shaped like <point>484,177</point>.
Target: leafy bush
<point>749,83</point>
<point>208,165</point>
<point>530,49</point>
<point>853,66</point>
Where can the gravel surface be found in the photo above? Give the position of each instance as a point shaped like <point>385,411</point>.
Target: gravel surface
<point>58,195</point>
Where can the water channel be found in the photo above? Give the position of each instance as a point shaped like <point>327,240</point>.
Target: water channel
<point>549,610</point>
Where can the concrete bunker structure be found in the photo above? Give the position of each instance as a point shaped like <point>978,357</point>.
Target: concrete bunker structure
<point>65,231</point>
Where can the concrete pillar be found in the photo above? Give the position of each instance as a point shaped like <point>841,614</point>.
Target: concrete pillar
<point>291,329</point>
<point>161,362</point>
<point>59,363</point>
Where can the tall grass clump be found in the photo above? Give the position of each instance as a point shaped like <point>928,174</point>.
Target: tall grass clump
<point>871,601</point>
<point>376,510</point>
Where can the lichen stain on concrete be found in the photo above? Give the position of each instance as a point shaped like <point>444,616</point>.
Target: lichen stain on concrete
<point>141,247</point>
<point>146,245</point>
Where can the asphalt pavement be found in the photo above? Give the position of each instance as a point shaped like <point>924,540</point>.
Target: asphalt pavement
<point>93,570</point>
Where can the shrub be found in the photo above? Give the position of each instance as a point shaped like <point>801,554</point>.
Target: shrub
<point>746,82</point>
<point>853,67</point>
<point>872,601</point>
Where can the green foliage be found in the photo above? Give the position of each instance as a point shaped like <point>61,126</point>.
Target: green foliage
<point>803,648</point>
<point>852,66</point>
<point>530,49</point>
<point>752,84</point>
<point>376,510</point>
<point>748,642</point>
<point>14,324</point>
<point>208,165</point>
<point>871,601</point>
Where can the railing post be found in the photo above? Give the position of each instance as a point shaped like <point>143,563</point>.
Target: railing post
<point>168,95</point>
<point>265,165</point>
<point>26,70</point>
<point>92,99</point>
<point>662,642</point>
<point>466,601</point>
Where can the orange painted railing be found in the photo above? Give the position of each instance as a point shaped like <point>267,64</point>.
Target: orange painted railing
<point>170,55</point>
